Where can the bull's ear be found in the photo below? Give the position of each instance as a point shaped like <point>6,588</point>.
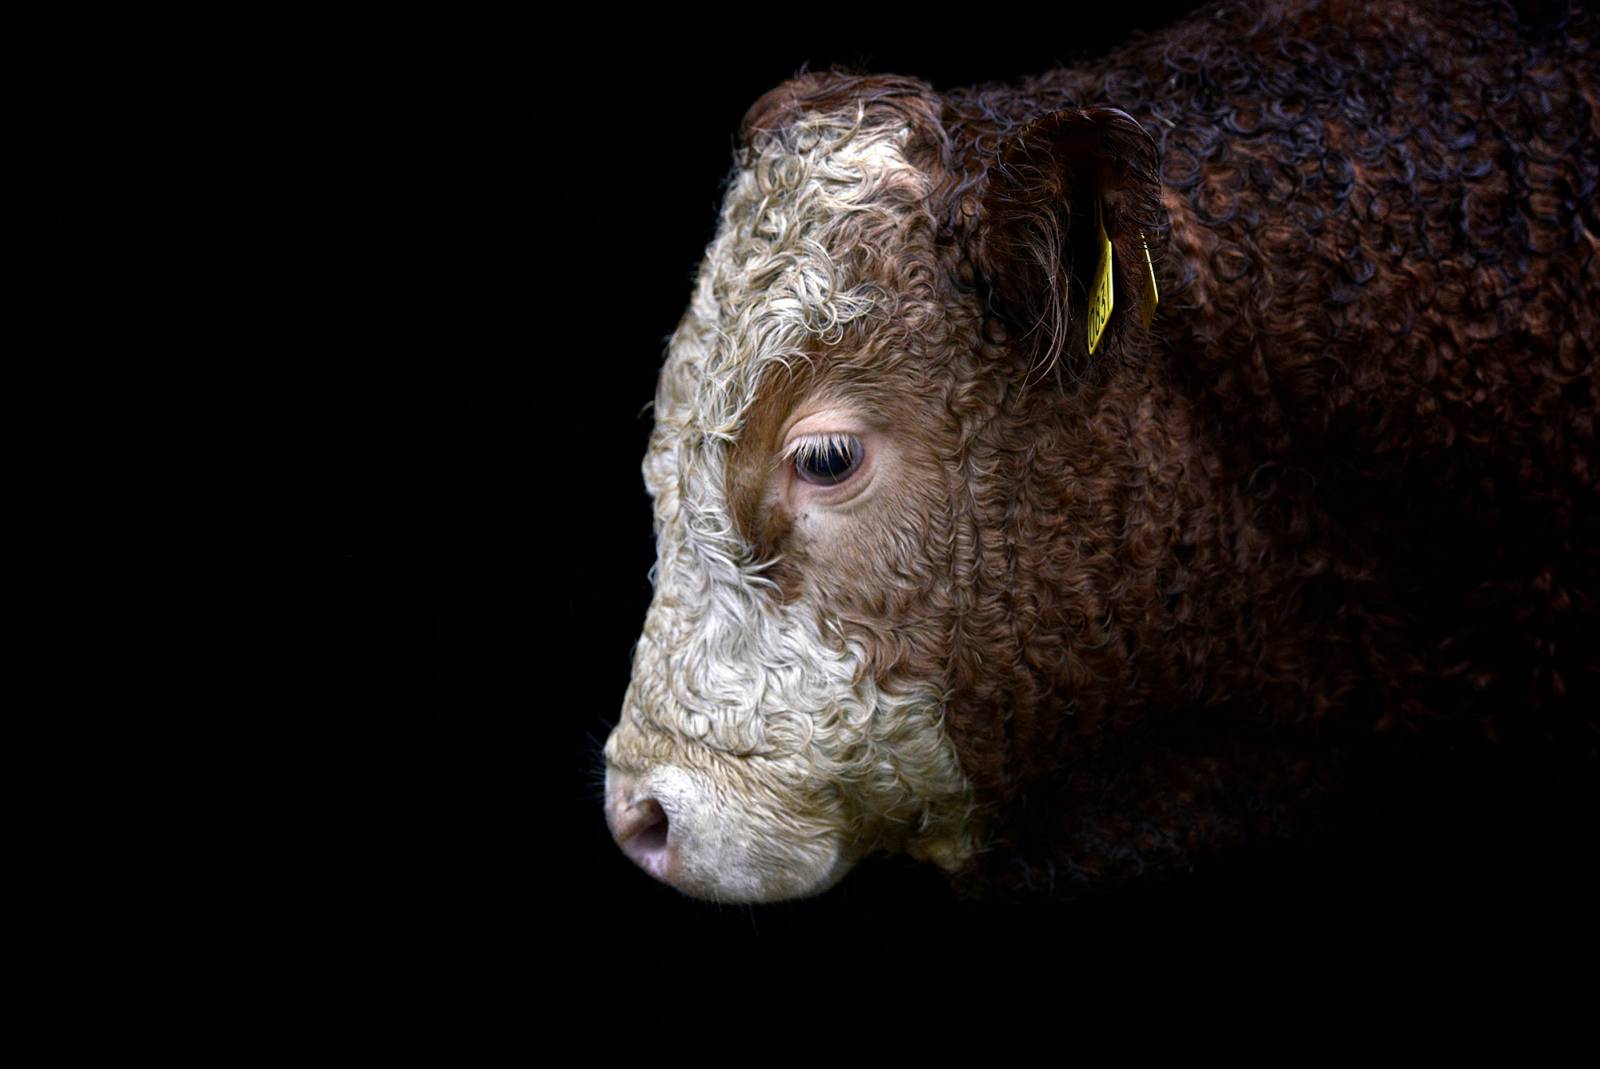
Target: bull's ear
<point>1056,184</point>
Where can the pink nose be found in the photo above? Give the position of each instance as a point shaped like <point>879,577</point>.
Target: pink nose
<point>639,825</point>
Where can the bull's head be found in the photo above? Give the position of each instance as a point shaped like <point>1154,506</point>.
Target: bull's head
<point>822,505</point>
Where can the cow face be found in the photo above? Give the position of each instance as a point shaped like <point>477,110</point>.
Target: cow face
<point>784,715</point>
<point>853,484</point>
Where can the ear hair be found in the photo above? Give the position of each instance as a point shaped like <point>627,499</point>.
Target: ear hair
<point>1036,247</point>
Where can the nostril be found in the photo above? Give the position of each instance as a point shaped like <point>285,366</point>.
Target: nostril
<point>643,834</point>
<point>652,836</point>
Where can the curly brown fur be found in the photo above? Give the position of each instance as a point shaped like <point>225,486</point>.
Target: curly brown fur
<point>1344,491</point>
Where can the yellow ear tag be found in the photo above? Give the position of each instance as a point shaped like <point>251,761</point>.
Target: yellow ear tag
<point>1149,298</point>
<point>1100,292</point>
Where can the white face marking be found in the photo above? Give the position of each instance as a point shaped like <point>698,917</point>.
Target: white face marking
<point>775,757</point>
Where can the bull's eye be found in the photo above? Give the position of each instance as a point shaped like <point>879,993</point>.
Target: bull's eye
<point>827,459</point>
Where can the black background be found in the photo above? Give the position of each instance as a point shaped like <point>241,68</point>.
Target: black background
<point>511,240</point>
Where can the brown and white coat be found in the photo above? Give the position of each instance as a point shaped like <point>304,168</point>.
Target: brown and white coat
<point>1074,616</point>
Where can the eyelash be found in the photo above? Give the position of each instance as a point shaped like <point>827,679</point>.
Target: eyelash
<point>822,447</point>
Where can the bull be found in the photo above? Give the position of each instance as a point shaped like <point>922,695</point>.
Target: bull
<point>1085,476</point>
